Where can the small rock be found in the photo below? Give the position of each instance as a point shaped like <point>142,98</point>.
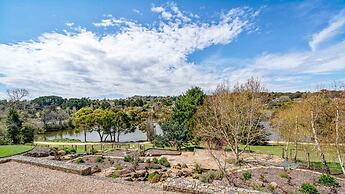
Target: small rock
<point>177,166</point>
<point>184,165</point>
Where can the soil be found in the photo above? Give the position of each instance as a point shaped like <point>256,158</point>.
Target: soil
<point>263,177</point>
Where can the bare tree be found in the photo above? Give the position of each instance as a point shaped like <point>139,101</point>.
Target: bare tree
<point>16,95</point>
<point>229,118</point>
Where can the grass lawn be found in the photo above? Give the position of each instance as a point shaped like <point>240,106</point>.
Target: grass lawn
<point>9,150</point>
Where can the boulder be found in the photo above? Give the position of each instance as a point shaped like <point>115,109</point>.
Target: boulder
<point>95,169</point>
<point>40,152</point>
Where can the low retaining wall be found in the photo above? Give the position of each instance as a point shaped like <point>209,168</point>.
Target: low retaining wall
<point>80,169</point>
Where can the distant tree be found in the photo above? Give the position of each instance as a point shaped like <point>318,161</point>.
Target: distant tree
<point>121,124</point>
<point>13,125</point>
<point>76,103</point>
<point>27,134</point>
<point>82,119</point>
<point>16,95</point>
<point>45,101</point>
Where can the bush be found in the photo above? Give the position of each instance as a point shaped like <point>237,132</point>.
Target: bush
<point>164,162</point>
<point>155,160</point>
<point>210,176</point>
<point>115,174</point>
<point>27,134</point>
<point>308,189</point>
<point>197,168</point>
<point>99,159</point>
<point>69,150</point>
<point>118,167</point>
<point>153,177</point>
<point>79,160</point>
<point>246,175</point>
<point>128,158</point>
<point>328,181</point>
<point>284,174</point>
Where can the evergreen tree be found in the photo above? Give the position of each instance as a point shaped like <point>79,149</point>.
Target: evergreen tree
<point>13,124</point>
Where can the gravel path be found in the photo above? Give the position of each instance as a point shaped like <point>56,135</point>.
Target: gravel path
<point>24,178</point>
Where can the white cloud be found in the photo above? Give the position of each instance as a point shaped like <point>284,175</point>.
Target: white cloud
<point>136,60</point>
<point>137,11</point>
<point>335,27</point>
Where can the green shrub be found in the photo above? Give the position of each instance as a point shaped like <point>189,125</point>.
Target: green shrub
<point>308,188</point>
<point>211,175</point>
<point>128,158</point>
<point>284,174</point>
<point>69,150</point>
<point>153,177</point>
<point>79,160</point>
<point>99,159</point>
<point>328,180</point>
<point>115,174</point>
<point>155,160</point>
<point>164,162</point>
<point>246,175</point>
<point>118,167</point>
<point>197,168</point>
<point>156,166</point>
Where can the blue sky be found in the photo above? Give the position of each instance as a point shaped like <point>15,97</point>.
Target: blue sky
<point>118,49</point>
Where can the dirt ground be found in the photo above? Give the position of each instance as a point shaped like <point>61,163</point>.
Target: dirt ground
<point>205,159</point>
<point>24,178</point>
<point>262,177</point>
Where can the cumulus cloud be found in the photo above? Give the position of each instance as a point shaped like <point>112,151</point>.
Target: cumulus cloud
<point>134,60</point>
<point>335,27</point>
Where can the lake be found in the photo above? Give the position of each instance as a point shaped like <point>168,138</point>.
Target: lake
<point>137,135</point>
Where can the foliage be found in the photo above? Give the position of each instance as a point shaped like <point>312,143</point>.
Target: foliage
<point>197,168</point>
<point>27,134</point>
<point>210,176</point>
<point>308,188</point>
<point>69,150</point>
<point>118,166</point>
<point>79,160</point>
<point>128,158</point>
<point>44,101</point>
<point>66,140</point>
<point>99,159</point>
<point>284,174</point>
<point>13,125</point>
<point>164,162</point>
<point>155,160</point>
<point>153,177</point>
<point>328,180</point>
<point>179,128</point>
<point>246,175</point>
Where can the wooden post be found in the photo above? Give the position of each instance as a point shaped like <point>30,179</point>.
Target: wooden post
<point>308,159</point>
<point>283,153</point>
<point>85,148</point>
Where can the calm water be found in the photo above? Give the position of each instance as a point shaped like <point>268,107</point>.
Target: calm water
<point>93,136</point>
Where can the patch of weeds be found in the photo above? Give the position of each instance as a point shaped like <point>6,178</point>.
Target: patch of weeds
<point>115,174</point>
<point>128,158</point>
<point>148,160</point>
<point>328,181</point>
<point>284,174</point>
<point>197,168</point>
<point>210,176</point>
<point>99,159</point>
<point>246,175</point>
<point>79,160</point>
<point>155,160</point>
<point>118,167</point>
<point>308,188</point>
<point>69,150</point>
<point>153,177</point>
<point>164,162</point>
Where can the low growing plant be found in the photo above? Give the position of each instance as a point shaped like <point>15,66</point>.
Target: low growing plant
<point>128,158</point>
<point>118,167</point>
<point>197,168</point>
<point>99,159</point>
<point>153,177</point>
<point>308,188</point>
<point>210,176</point>
<point>69,150</point>
<point>246,175</point>
<point>164,162</point>
<point>155,160</point>
<point>79,160</point>
<point>284,174</point>
<point>328,180</point>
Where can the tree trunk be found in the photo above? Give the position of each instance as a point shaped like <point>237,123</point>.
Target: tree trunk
<point>317,144</point>
<point>337,141</point>
<point>118,136</point>
<point>84,135</point>
<point>100,135</point>
<point>286,152</point>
